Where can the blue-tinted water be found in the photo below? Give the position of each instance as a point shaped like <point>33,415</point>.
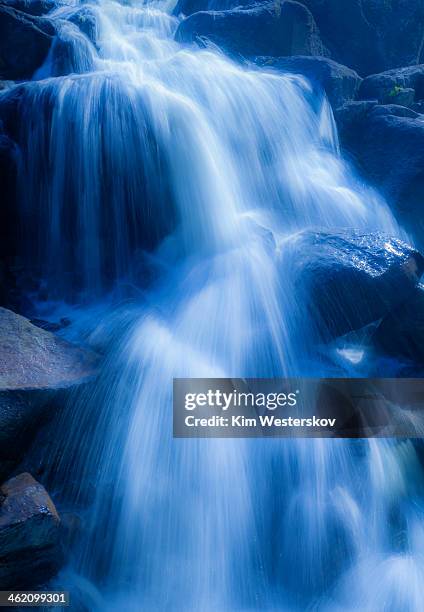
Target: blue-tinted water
<point>173,175</point>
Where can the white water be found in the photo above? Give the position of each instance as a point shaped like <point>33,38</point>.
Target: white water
<point>207,165</point>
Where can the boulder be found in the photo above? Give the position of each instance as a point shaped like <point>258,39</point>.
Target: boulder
<point>188,7</point>
<point>381,110</point>
<point>418,107</point>
<point>387,144</point>
<point>401,96</point>
<point>24,43</point>
<point>352,112</point>
<point>348,279</point>
<point>32,7</point>
<point>21,415</point>
<point>34,365</point>
<point>265,29</point>
<point>371,35</point>
<point>30,551</point>
<point>401,332</point>
<point>33,358</point>
<point>389,86</point>
<point>340,83</point>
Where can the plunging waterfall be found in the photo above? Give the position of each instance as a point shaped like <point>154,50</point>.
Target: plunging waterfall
<point>168,179</point>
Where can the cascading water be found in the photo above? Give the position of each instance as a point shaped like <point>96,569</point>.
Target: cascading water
<point>173,172</point>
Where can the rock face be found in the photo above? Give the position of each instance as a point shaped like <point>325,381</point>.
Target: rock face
<point>188,7</point>
<point>386,86</point>
<point>34,363</point>
<point>32,7</point>
<point>33,358</point>
<point>350,279</point>
<point>24,43</point>
<point>371,35</point>
<point>340,83</point>
<point>29,534</point>
<point>388,146</point>
<point>401,332</point>
<point>267,29</point>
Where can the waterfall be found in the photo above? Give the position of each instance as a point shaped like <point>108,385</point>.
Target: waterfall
<point>169,174</point>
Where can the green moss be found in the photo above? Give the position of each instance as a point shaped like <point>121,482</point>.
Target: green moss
<point>395,91</point>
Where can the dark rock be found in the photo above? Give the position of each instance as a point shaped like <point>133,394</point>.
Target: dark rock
<point>21,413</point>
<point>33,358</point>
<point>339,82</point>
<point>8,216</point>
<point>51,326</point>
<point>32,7</point>
<point>389,151</point>
<point>30,552</point>
<point>266,29</point>
<point>401,96</point>
<point>349,279</point>
<point>24,43</point>
<point>395,110</point>
<point>188,7</point>
<point>10,111</point>
<point>387,86</point>
<point>418,107</point>
<point>401,332</point>
<point>34,365</point>
<point>371,35</point>
<point>352,112</point>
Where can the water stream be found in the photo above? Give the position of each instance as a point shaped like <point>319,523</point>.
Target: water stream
<point>168,178</point>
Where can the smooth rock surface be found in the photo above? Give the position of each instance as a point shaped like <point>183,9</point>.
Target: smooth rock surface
<point>401,332</point>
<point>29,534</point>
<point>266,29</point>
<point>188,7</point>
<point>340,83</point>
<point>24,43</point>
<point>32,7</point>
<point>33,358</point>
<point>349,279</point>
<point>387,144</point>
<point>382,85</point>
<point>371,35</point>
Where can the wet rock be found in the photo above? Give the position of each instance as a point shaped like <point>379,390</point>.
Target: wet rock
<point>401,96</point>
<point>188,7</point>
<point>387,144</point>
<point>51,326</point>
<point>32,7</point>
<point>371,35</point>
<point>418,107</point>
<point>340,83</point>
<point>33,358</point>
<point>352,112</point>
<point>24,43</point>
<point>386,86</point>
<point>266,29</point>
<point>30,552</point>
<point>395,110</point>
<point>34,365</point>
<point>85,19</point>
<point>401,332</point>
<point>349,279</point>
